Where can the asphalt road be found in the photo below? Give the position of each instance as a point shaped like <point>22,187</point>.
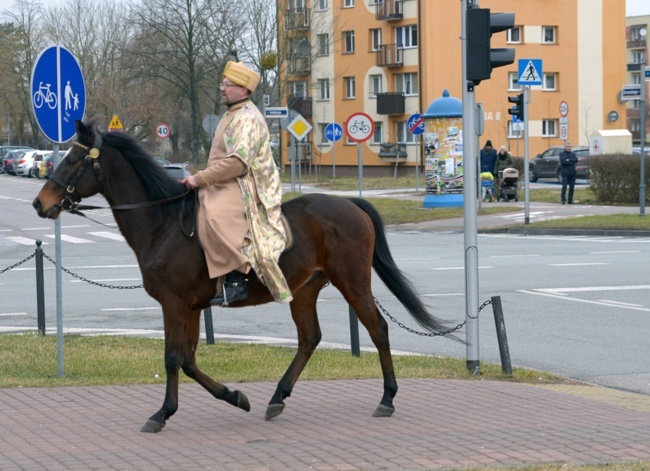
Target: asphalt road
<point>574,305</point>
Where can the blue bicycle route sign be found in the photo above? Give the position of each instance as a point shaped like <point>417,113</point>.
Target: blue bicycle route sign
<point>333,132</point>
<point>58,93</point>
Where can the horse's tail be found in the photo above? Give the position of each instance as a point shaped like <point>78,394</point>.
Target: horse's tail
<point>394,278</point>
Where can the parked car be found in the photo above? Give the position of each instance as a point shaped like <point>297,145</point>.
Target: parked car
<point>178,171</point>
<point>4,150</point>
<point>25,165</point>
<point>547,164</point>
<point>9,159</point>
<point>44,168</point>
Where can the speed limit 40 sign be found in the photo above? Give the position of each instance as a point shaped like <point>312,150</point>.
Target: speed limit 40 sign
<point>162,131</point>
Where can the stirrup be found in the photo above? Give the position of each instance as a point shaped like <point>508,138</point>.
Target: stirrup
<point>234,289</point>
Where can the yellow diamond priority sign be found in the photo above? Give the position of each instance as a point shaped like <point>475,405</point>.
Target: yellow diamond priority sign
<point>299,127</point>
<point>116,124</point>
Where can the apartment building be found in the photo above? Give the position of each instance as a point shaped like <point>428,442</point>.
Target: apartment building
<point>391,59</point>
<point>637,53</point>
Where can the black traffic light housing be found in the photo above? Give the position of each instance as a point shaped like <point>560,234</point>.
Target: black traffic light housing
<point>518,109</point>
<point>480,58</point>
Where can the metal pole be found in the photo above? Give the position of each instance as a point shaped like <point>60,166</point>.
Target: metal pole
<point>293,163</point>
<point>642,136</point>
<point>354,333</point>
<point>500,324</point>
<point>209,329</point>
<point>59,281</point>
<point>417,163</point>
<point>40,290</point>
<point>359,155</point>
<point>469,199</point>
<point>334,160</point>
<point>526,169</point>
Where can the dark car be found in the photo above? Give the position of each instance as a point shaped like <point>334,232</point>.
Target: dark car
<point>178,171</point>
<point>4,150</point>
<point>547,164</point>
<point>9,159</point>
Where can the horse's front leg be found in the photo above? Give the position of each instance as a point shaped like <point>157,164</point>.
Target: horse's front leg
<point>173,360</point>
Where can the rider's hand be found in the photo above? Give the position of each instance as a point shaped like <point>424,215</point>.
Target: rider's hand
<point>190,182</point>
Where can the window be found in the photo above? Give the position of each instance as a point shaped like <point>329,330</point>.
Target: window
<point>513,81</point>
<point>298,88</point>
<point>638,57</point>
<point>403,133</point>
<point>635,34</point>
<point>406,36</point>
<point>406,83</point>
<point>375,39</point>
<point>549,128</point>
<point>350,87</point>
<point>297,5</point>
<point>375,85</point>
<point>324,87</point>
<point>514,35</point>
<point>376,138</point>
<point>515,133</point>
<point>548,34</point>
<point>636,124</point>
<point>323,136</point>
<point>323,5</point>
<point>348,3</point>
<point>348,40</point>
<point>323,45</point>
<point>549,82</point>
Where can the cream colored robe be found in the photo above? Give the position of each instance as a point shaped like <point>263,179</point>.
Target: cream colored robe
<point>239,201</point>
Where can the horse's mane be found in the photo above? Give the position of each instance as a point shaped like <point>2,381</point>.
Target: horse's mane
<point>156,181</point>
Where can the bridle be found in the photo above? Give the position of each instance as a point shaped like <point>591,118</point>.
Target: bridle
<point>71,200</point>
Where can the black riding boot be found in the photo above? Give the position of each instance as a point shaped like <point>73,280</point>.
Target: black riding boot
<point>234,289</point>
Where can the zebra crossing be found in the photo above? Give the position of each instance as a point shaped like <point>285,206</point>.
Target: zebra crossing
<point>69,235</point>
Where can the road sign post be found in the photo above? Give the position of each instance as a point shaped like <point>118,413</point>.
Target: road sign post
<point>359,127</point>
<point>415,125</point>
<point>163,131</point>
<point>333,132</point>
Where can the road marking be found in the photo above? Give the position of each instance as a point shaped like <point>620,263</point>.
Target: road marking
<point>442,295</point>
<point>578,300</point>
<point>618,303</point>
<point>614,251</point>
<point>74,240</point>
<point>12,314</point>
<point>455,268</point>
<point>157,308</point>
<point>513,256</point>
<point>24,240</point>
<point>576,264</point>
<point>108,235</point>
<point>591,288</point>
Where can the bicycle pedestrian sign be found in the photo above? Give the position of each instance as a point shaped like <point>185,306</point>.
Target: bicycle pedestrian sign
<point>359,127</point>
<point>58,93</point>
<point>333,132</point>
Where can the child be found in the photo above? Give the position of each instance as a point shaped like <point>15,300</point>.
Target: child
<point>487,185</point>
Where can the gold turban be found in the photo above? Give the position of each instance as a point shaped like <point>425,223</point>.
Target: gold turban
<point>238,73</point>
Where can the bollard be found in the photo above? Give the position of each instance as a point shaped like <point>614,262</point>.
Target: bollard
<point>501,335</point>
<point>354,333</point>
<point>209,329</point>
<point>40,290</point>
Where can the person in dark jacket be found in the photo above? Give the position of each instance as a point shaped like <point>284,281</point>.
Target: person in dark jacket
<point>488,158</point>
<point>568,161</point>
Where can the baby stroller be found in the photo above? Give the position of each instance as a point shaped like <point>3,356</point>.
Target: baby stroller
<point>508,184</point>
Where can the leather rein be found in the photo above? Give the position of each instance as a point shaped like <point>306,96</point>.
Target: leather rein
<point>71,200</point>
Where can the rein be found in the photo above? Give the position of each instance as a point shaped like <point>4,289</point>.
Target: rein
<point>71,201</point>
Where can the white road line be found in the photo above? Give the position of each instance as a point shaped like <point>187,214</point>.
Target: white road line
<point>513,256</point>
<point>591,288</point>
<point>618,303</point>
<point>454,268</point>
<point>74,240</point>
<point>442,295</point>
<point>108,235</point>
<point>614,251</point>
<point>12,314</point>
<point>587,301</point>
<point>132,309</point>
<point>109,279</point>
<point>24,240</point>
<point>576,264</point>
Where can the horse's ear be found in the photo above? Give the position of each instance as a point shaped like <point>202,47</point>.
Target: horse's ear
<point>84,133</point>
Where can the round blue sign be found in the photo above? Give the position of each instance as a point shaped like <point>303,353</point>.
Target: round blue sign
<point>415,124</point>
<point>58,93</point>
<point>333,132</point>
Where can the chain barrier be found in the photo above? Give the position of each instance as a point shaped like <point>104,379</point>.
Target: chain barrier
<point>101,285</point>
<point>17,264</point>
<point>428,334</point>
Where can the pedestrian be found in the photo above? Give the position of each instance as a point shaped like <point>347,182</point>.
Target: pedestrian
<point>239,196</point>
<point>568,161</point>
<point>503,161</point>
<point>488,157</point>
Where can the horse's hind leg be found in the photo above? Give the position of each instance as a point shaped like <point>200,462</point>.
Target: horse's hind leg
<point>303,312</point>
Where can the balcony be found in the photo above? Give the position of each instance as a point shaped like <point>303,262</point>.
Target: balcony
<point>390,55</point>
<point>297,20</point>
<point>636,44</point>
<point>634,67</point>
<point>390,103</point>
<point>389,10</point>
<point>301,104</point>
<point>299,65</point>
<point>392,150</point>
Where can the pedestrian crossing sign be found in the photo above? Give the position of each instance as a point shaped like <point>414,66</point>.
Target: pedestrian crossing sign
<point>116,124</point>
<point>530,72</point>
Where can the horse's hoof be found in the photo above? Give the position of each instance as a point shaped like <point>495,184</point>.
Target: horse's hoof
<point>152,426</point>
<point>242,401</point>
<point>383,411</point>
<point>273,410</point>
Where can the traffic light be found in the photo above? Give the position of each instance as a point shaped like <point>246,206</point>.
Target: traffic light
<point>480,59</point>
<point>517,110</point>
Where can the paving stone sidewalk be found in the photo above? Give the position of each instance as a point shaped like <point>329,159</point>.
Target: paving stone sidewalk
<point>327,425</point>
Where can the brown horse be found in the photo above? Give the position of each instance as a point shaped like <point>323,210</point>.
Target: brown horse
<point>336,240</point>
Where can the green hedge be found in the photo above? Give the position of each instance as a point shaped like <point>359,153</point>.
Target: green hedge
<point>615,178</point>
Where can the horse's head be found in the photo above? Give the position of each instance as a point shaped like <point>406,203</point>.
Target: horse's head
<point>77,176</point>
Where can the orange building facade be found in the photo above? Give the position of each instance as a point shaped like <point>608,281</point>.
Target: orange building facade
<point>392,58</point>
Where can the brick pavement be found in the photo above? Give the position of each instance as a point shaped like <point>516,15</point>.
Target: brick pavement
<point>327,425</point>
